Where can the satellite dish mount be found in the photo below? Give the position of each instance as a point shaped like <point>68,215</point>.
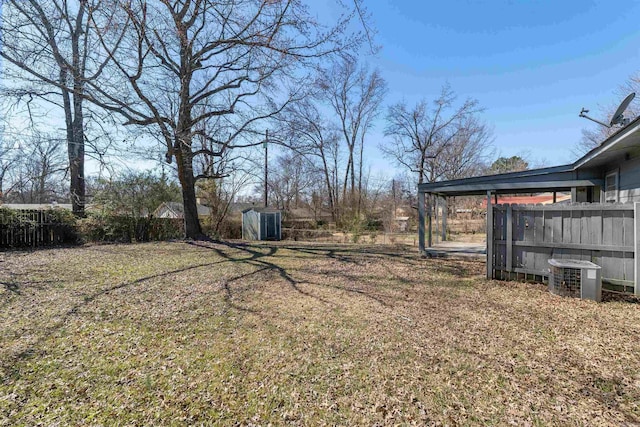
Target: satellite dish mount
<point>618,117</point>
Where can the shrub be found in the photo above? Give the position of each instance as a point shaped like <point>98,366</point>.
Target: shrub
<point>304,234</point>
<point>228,228</point>
<point>374,225</point>
<point>126,229</point>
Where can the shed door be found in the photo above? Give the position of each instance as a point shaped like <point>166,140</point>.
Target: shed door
<point>272,231</point>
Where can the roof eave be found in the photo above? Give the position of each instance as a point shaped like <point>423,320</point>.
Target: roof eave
<point>608,143</point>
<point>509,187</point>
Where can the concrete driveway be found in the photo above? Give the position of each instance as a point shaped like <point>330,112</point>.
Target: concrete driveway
<point>457,249</point>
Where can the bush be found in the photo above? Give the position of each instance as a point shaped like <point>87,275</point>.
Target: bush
<point>65,225</point>
<point>374,225</point>
<point>166,228</point>
<point>227,229</point>
<point>126,229</point>
<point>305,234</point>
<point>300,224</point>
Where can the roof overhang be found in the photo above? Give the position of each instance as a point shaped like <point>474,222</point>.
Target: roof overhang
<point>510,187</point>
<point>622,144</point>
<point>617,146</point>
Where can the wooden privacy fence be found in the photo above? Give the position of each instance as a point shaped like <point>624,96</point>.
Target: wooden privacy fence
<point>524,237</point>
<point>33,228</point>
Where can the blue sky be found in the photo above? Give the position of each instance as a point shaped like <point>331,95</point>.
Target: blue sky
<point>532,64</point>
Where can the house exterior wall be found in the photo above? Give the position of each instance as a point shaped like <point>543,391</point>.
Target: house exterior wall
<point>165,212</point>
<point>628,180</point>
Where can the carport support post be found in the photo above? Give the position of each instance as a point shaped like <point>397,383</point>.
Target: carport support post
<point>444,219</point>
<point>436,215</point>
<point>636,248</point>
<point>489,237</point>
<point>421,222</point>
<point>430,220</point>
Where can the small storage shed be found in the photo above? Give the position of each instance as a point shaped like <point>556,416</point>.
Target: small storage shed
<point>261,224</point>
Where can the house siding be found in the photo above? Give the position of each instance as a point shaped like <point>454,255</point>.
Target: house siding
<point>628,180</point>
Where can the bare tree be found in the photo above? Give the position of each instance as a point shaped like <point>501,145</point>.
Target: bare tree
<point>292,180</point>
<point>188,62</point>
<point>421,135</point>
<point>38,170</point>
<point>468,152</point>
<point>10,160</point>
<point>355,95</point>
<point>305,130</point>
<point>594,135</point>
<point>55,55</point>
<point>234,169</point>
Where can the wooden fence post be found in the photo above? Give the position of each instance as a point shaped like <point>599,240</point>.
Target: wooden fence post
<point>509,223</point>
<point>636,248</point>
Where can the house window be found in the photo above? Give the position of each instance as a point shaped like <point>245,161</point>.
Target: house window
<point>611,187</point>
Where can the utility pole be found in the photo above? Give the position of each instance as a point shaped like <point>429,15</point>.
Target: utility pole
<point>394,206</point>
<point>266,168</point>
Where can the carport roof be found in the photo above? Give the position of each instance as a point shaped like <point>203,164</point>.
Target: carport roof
<point>557,178</point>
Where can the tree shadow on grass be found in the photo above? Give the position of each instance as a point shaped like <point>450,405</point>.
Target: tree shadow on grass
<point>341,255</point>
<point>13,287</point>
<point>256,259</point>
<point>256,256</point>
<point>8,366</point>
<point>455,268</point>
<point>228,293</point>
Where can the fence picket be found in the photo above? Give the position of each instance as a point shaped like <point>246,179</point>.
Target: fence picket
<point>602,234</point>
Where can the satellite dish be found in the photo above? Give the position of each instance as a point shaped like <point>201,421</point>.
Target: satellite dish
<point>618,116</point>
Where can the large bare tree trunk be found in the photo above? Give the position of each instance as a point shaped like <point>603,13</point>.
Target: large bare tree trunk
<point>76,159</point>
<point>184,159</point>
<point>75,144</point>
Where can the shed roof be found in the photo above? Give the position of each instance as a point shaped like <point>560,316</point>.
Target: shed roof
<point>261,210</point>
<point>557,178</point>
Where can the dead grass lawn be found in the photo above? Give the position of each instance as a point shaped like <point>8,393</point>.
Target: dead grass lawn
<point>300,334</point>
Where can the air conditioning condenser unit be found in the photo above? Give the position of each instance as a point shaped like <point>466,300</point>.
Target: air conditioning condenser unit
<point>575,278</point>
